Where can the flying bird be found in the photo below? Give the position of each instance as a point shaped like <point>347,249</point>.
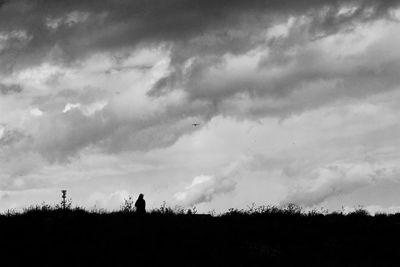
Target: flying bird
<point>195,124</point>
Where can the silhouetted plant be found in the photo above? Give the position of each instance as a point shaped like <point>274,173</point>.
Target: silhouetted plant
<point>11,212</point>
<point>181,210</point>
<point>128,205</point>
<point>313,212</point>
<point>38,208</point>
<point>359,211</point>
<point>194,210</point>
<point>292,208</point>
<point>272,210</point>
<point>234,212</point>
<point>252,208</point>
<point>212,212</point>
<point>324,211</point>
<point>381,215</point>
<point>64,204</point>
<point>97,210</point>
<point>165,210</point>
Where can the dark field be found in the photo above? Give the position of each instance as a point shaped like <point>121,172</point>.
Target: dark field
<point>46,236</point>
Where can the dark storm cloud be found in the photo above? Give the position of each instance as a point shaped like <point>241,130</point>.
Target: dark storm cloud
<point>308,68</point>
<point>199,31</point>
<point>71,29</point>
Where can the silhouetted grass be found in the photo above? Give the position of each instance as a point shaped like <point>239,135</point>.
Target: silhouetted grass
<point>48,235</point>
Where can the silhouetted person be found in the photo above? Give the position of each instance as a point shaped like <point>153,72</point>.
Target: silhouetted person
<point>140,205</point>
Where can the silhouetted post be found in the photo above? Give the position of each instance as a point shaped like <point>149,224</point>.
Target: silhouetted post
<point>64,199</point>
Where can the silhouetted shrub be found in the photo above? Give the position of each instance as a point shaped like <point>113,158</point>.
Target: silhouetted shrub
<point>292,209</point>
<point>64,205</point>
<point>381,215</point>
<point>359,211</point>
<point>128,205</point>
<point>254,236</point>
<point>164,209</point>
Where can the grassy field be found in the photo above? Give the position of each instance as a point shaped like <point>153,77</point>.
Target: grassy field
<point>260,236</point>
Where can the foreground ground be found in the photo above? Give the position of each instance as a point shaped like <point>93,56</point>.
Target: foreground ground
<point>263,237</point>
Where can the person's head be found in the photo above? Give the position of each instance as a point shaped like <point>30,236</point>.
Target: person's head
<point>141,196</point>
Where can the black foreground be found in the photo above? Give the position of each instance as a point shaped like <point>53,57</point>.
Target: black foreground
<point>268,238</point>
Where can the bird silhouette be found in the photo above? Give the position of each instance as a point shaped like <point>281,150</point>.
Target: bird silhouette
<point>195,124</point>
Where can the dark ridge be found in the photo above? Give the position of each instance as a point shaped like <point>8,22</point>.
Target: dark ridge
<point>45,235</point>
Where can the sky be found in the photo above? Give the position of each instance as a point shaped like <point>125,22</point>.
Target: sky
<point>215,104</point>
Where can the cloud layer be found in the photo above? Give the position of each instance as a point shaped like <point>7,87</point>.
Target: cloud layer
<point>115,77</point>
<point>253,59</point>
<point>57,30</point>
<point>337,179</point>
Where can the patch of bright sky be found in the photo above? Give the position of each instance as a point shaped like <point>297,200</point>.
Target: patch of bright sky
<point>280,30</point>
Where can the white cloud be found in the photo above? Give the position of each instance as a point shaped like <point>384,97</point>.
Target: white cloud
<point>204,188</point>
<point>70,106</point>
<point>36,112</point>
<point>335,179</point>
<point>87,110</point>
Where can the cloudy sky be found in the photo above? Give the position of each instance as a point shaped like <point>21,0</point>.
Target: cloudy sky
<point>296,101</point>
